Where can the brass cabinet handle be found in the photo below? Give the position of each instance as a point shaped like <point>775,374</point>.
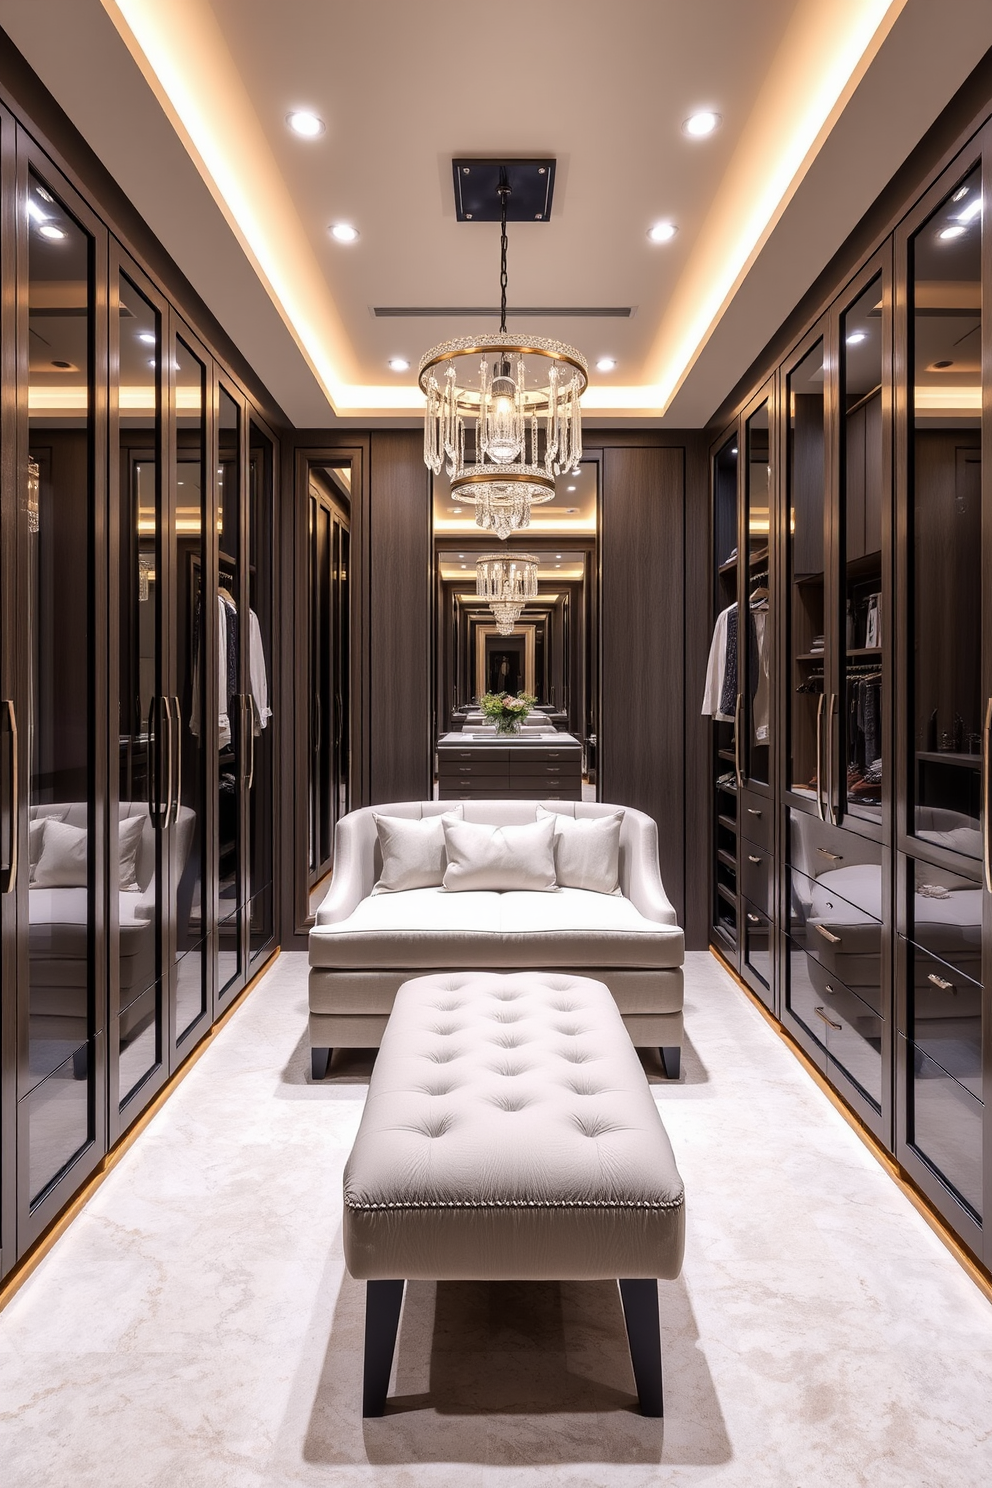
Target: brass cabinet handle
<point>179,759</point>
<point>752,810</point>
<point>827,934</point>
<point>250,701</point>
<point>752,858</point>
<point>832,813</point>
<point>986,791</point>
<point>939,981</point>
<point>834,857</point>
<point>10,875</point>
<point>737,740</point>
<point>819,755</point>
<point>829,1021</point>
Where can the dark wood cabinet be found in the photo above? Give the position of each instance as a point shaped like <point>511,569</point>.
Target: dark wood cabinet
<point>468,771</point>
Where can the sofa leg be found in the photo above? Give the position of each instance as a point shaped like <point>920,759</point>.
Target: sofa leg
<point>640,1313</point>
<point>671,1058</point>
<point>383,1300</point>
<point>319,1060</point>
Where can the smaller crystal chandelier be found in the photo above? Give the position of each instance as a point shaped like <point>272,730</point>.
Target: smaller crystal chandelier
<point>507,580</point>
<point>505,433</point>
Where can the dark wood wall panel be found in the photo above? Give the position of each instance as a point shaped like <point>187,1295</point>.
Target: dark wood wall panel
<point>642,563</point>
<point>400,621</point>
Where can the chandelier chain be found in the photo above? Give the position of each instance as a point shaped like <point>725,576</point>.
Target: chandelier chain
<point>504,192</point>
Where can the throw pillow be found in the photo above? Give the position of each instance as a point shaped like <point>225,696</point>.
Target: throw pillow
<point>36,838</point>
<point>500,858</point>
<point>587,851</point>
<point>64,859</point>
<point>412,851</point>
<point>129,841</point>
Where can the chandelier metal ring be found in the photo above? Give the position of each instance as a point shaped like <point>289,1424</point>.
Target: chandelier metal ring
<point>542,346</point>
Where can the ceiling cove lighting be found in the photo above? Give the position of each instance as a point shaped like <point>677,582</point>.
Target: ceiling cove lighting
<point>306,125</point>
<point>507,581</point>
<point>662,232</point>
<point>502,414</point>
<point>698,126</point>
<point>344,232</point>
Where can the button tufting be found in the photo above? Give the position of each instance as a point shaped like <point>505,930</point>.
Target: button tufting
<point>596,1126</point>
<point>576,1056</point>
<point>509,1102</point>
<point>443,1056</point>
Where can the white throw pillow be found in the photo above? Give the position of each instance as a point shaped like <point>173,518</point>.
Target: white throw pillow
<point>36,838</point>
<point>482,857</point>
<point>587,851</point>
<point>129,840</point>
<point>64,859</point>
<point>412,851</point>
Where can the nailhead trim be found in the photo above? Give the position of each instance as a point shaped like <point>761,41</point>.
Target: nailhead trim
<point>427,1204</point>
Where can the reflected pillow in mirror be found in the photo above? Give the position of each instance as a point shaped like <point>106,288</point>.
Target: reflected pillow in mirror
<point>587,851</point>
<point>129,838</point>
<point>500,859</point>
<point>36,838</point>
<point>413,855</point>
<point>64,859</point>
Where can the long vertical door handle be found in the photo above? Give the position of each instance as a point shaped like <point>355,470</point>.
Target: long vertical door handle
<point>178,797</point>
<point>737,740</point>
<point>318,720</point>
<point>153,765</point>
<point>10,875</point>
<point>819,756</point>
<point>251,738</point>
<point>986,793</point>
<point>829,792</point>
<point>169,744</point>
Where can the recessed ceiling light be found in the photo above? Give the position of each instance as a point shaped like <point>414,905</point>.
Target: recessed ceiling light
<point>954,231</point>
<point>399,364</point>
<point>569,488</point>
<point>457,510</point>
<point>344,232</point>
<point>577,470</point>
<point>698,126</point>
<point>856,337</point>
<point>606,364</point>
<point>307,125</point>
<point>734,450</point>
<point>961,193</point>
<point>148,337</point>
<point>49,230</point>
<point>557,565</point>
<point>557,555</point>
<point>571,510</point>
<point>662,232</point>
<point>464,565</point>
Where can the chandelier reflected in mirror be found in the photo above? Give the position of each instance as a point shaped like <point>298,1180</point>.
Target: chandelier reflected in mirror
<point>507,581</point>
<point>503,414</point>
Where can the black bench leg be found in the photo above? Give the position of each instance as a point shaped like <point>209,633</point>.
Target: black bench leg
<point>640,1313</point>
<point>383,1300</point>
<point>319,1060</point>
<point>672,1060</point>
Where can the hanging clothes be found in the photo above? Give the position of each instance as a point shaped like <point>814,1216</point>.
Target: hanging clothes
<point>761,679</point>
<point>716,667</point>
<point>258,678</point>
<point>223,676</point>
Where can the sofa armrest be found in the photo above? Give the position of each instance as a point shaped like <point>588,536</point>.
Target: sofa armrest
<point>643,886</point>
<point>353,875</point>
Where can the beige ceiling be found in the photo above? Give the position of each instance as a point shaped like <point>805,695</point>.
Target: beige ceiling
<point>186,104</point>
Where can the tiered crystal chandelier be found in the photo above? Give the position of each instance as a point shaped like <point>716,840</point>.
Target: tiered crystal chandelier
<point>507,580</point>
<point>508,423</point>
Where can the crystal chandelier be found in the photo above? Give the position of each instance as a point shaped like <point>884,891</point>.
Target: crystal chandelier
<point>504,426</point>
<point>507,580</point>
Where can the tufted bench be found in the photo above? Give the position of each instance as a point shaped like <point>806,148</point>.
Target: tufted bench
<point>510,1134</point>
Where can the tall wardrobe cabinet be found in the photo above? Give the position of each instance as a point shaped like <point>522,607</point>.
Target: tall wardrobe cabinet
<point>136,730</point>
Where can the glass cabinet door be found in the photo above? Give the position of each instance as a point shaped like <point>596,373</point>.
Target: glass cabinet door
<point>754,642</point>
<point>720,696</point>
<point>62,1027</point>
<point>945,572</point>
<point>859,779</point>
<point>260,783</point>
<point>196,639</point>
<point>146,723</point>
<point>806,579</point>
<point>230,738</point>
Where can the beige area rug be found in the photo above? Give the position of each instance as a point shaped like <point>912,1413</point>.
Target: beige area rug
<point>195,1326</point>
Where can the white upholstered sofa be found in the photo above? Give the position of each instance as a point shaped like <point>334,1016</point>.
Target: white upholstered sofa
<point>364,946</point>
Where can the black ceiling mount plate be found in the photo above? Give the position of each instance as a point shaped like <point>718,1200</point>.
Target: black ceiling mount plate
<point>531,182</point>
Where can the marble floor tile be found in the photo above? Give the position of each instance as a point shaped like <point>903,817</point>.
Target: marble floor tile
<point>196,1325</point>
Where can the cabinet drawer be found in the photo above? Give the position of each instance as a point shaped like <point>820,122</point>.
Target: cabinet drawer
<point>755,869</point>
<point>944,1015</point>
<point>544,767</point>
<point>535,752</point>
<point>848,1027</point>
<point>757,937</point>
<point>816,847</point>
<point>756,819</point>
<point>476,769</point>
<point>946,1119</point>
<point>480,752</point>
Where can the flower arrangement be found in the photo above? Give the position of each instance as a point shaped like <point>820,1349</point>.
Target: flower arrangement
<point>505,711</point>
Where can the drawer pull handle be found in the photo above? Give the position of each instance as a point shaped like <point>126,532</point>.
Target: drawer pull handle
<point>939,981</point>
<point>752,858</point>
<point>828,934</point>
<point>829,1021</point>
<point>755,919</point>
<point>834,857</point>
<point>752,811</point>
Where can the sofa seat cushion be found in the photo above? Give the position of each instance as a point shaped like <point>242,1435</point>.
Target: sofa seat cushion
<point>432,928</point>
